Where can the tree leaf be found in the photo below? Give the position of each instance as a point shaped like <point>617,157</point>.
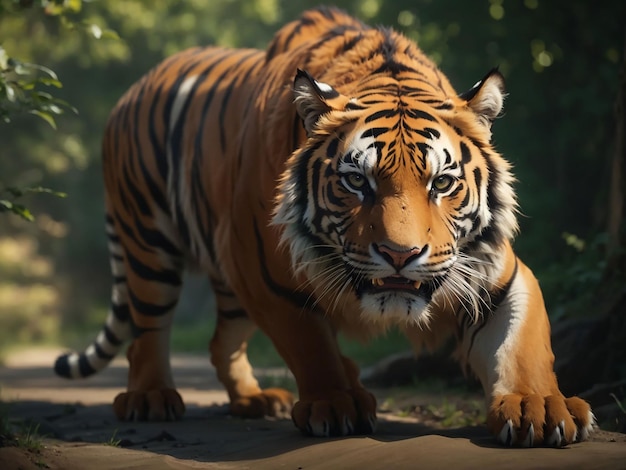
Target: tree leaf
<point>18,67</point>
<point>41,189</point>
<point>95,31</point>
<point>50,82</point>
<point>43,96</point>
<point>110,34</point>
<point>43,69</point>
<point>5,205</point>
<point>16,209</point>
<point>45,116</point>
<point>73,5</point>
<point>10,93</point>
<point>4,59</point>
<point>25,86</point>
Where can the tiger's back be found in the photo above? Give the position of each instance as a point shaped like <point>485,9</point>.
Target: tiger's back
<point>174,127</point>
<point>186,119</point>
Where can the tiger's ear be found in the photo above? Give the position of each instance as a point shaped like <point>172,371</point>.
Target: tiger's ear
<point>313,99</point>
<point>486,97</point>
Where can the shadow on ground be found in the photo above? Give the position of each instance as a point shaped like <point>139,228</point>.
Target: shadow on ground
<point>81,432</point>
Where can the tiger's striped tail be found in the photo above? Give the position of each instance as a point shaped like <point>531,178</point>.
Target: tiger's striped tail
<point>117,328</point>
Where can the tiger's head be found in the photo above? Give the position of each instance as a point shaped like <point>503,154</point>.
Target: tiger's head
<point>397,196</point>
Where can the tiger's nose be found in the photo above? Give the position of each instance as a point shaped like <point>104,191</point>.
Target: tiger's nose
<point>398,258</point>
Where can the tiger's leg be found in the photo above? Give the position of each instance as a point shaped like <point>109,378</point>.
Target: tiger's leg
<point>228,354</point>
<point>332,401</point>
<point>153,276</point>
<point>511,354</point>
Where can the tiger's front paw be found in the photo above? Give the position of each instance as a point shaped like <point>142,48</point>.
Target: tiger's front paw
<point>343,413</point>
<point>274,402</point>
<point>534,420</point>
<point>153,405</point>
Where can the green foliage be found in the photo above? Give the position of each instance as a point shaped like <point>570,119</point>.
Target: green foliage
<point>20,90</point>
<point>576,283</point>
<point>21,82</point>
<point>21,87</point>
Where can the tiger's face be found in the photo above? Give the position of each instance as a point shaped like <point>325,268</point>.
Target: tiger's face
<point>385,201</point>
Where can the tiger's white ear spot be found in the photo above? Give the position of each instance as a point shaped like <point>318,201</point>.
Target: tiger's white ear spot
<point>486,97</point>
<point>323,87</point>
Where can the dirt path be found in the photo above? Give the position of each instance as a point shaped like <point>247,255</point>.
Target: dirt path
<point>78,418</point>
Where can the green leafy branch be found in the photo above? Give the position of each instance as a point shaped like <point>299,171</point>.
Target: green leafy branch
<point>20,90</point>
<point>23,86</point>
<point>9,195</point>
<point>21,82</point>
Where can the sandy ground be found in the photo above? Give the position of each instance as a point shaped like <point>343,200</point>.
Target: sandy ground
<point>77,419</point>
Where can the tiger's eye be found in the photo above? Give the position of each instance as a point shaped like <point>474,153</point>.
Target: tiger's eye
<point>355,180</point>
<point>442,183</point>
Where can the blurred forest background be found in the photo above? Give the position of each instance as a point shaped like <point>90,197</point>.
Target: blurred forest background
<point>562,63</point>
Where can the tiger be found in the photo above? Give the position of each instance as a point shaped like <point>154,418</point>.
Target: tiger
<point>334,183</point>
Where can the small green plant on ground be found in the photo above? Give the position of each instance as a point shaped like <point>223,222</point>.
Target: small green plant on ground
<point>617,420</point>
<point>23,435</point>
<point>451,415</point>
<point>5,426</point>
<point>620,404</point>
<point>26,437</point>
<point>113,441</point>
<point>29,439</point>
<point>459,406</point>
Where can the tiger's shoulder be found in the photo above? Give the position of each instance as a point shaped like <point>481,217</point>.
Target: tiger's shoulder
<point>310,27</point>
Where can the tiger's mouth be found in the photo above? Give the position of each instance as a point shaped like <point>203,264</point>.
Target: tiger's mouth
<point>424,289</point>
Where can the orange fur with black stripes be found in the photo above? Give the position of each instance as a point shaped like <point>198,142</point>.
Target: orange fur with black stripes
<point>335,182</point>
